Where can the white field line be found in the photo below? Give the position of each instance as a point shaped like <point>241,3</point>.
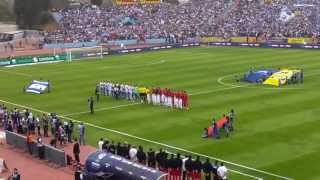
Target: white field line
<point>132,104</point>
<point>221,89</point>
<point>193,94</point>
<point>245,174</point>
<point>220,81</point>
<point>32,64</point>
<point>102,109</point>
<point>234,86</point>
<point>227,84</point>
<point>158,143</point>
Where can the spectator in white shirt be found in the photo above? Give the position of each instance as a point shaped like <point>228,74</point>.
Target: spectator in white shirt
<point>133,154</point>
<point>100,144</point>
<point>184,170</point>
<point>222,172</point>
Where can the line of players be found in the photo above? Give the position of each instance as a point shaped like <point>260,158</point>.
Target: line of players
<point>154,96</point>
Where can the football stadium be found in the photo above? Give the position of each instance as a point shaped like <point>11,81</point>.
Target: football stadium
<point>159,89</point>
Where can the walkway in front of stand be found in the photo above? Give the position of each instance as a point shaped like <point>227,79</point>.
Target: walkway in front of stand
<point>35,169</point>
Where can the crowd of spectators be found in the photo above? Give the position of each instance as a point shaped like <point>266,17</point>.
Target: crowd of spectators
<point>177,22</point>
<point>30,40</point>
<point>177,166</point>
<point>26,123</point>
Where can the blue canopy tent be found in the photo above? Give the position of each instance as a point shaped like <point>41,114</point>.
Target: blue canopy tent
<point>116,167</point>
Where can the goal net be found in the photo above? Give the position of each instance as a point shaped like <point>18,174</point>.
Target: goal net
<point>96,52</point>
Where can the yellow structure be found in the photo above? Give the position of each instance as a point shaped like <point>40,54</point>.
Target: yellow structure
<point>297,40</point>
<point>132,2</point>
<point>280,78</point>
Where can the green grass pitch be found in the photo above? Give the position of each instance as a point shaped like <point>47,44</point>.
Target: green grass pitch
<point>277,129</point>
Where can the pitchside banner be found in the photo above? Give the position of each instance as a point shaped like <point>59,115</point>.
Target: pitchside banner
<point>131,2</point>
<point>213,39</point>
<point>252,39</point>
<point>296,40</point>
<point>125,2</point>
<point>36,59</point>
<point>150,1</point>
<point>232,39</point>
<point>239,39</point>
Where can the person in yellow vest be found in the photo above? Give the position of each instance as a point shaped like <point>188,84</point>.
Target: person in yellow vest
<point>142,93</point>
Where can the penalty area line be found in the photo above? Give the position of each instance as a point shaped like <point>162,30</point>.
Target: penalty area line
<point>161,144</point>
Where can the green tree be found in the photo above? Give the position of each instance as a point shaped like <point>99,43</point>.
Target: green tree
<point>97,2</point>
<point>29,13</point>
<point>5,14</point>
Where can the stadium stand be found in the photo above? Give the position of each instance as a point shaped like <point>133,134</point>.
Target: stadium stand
<point>276,21</point>
<point>20,40</point>
<point>188,20</point>
<point>267,20</point>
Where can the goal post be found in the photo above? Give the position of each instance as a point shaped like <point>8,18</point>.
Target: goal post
<point>95,52</point>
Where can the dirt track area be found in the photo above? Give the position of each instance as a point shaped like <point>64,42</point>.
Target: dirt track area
<point>18,53</point>
<point>32,168</point>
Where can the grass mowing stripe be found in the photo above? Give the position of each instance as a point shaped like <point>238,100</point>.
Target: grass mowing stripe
<point>260,112</point>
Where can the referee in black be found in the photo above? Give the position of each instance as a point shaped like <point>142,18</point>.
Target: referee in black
<point>91,105</point>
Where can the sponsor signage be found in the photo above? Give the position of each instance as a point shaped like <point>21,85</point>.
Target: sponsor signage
<point>212,39</point>
<point>32,59</point>
<point>296,40</point>
<point>131,2</point>
<point>61,57</point>
<point>4,63</point>
<point>312,47</point>
<point>47,58</point>
<point>280,45</point>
